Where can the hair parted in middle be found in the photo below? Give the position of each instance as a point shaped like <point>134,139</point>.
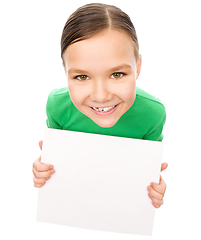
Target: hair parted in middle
<point>91,19</point>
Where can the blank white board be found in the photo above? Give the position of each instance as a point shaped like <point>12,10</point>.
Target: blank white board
<point>100,182</point>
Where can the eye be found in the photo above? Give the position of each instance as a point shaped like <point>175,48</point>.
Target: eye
<point>81,77</point>
<point>117,75</point>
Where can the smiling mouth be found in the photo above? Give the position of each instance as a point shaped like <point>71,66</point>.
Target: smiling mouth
<point>107,109</point>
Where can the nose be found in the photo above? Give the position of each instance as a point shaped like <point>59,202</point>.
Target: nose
<point>100,91</point>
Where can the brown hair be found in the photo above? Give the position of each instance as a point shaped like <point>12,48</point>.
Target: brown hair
<point>92,18</point>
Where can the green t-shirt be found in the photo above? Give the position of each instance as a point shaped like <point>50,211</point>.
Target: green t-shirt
<point>144,120</point>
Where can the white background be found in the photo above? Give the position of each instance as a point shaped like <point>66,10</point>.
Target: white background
<point>30,67</point>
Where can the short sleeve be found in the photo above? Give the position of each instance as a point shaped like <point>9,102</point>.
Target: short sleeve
<point>156,133</point>
<point>51,120</point>
<point>156,121</point>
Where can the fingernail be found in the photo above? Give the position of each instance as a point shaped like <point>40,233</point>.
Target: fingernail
<point>152,184</point>
<point>48,178</point>
<point>51,167</point>
<point>52,171</point>
<point>148,188</point>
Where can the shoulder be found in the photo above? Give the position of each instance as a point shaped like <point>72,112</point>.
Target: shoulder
<point>152,114</point>
<point>149,103</point>
<point>147,97</point>
<point>58,97</point>
<point>57,104</point>
<point>58,93</point>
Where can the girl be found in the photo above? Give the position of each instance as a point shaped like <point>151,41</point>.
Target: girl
<point>100,53</point>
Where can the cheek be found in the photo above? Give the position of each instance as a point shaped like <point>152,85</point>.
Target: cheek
<point>77,94</point>
<point>74,95</point>
<point>128,93</point>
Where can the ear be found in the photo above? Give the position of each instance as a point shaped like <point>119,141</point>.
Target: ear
<point>139,66</point>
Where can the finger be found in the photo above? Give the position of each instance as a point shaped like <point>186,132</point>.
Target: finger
<point>40,180</point>
<point>39,185</point>
<point>41,144</point>
<point>162,183</point>
<point>154,193</point>
<point>42,174</point>
<point>160,188</point>
<point>40,167</point>
<point>157,203</point>
<point>163,166</point>
<point>36,162</point>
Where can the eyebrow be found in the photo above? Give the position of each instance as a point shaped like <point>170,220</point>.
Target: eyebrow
<point>114,69</point>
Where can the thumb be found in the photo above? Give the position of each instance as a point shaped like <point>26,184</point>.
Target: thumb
<point>41,144</point>
<point>163,166</point>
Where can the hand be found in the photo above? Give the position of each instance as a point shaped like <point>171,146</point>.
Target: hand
<point>157,191</point>
<point>42,172</point>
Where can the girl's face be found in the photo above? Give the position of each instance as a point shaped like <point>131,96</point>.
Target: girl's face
<point>102,73</point>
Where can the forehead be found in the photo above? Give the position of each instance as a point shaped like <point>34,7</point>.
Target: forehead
<point>106,49</point>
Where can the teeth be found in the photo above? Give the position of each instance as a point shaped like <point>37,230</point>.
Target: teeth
<point>103,109</point>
